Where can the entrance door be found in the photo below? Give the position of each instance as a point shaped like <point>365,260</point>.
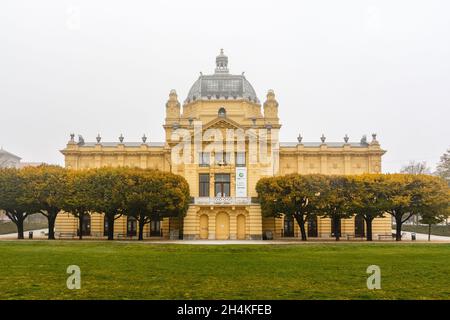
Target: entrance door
<point>131,226</point>
<point>86,225</point>
<point>288,227</point>
<point>312,226</point>
<point>359,226</point>
<point>204,226</point>
<point>241,227</point>
<point>222,226</point>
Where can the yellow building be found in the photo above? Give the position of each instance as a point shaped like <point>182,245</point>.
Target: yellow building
<point>223,140</point>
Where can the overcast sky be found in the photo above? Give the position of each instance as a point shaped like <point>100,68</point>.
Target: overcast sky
<point>337,67</point>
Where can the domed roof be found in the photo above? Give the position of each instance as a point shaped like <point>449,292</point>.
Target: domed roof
<point>221,85</point>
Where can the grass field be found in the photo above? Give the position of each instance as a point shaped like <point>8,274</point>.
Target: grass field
<point>118,270</point>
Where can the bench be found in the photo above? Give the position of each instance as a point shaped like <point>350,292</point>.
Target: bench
<point>353,237</point>
<point>96,234</point>
<point>67,235</point>
<point>124,236</point>
<point>385,237</point>
<point>390,236</point>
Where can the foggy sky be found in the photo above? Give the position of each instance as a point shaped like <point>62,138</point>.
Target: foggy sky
<point>337,67</point>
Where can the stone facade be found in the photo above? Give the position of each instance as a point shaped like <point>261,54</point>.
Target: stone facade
<point>222,176</point>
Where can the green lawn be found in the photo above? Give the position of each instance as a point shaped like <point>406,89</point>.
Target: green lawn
<point>115,270</point>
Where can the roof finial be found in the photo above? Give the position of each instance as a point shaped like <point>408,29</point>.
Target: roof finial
<point>221,63</point>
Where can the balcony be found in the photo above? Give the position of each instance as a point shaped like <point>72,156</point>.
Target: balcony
<point>230,201</point>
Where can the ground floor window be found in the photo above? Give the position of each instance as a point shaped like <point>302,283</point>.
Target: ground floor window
<point>155,228</point>
<point>335,226</point>
<point>359,226</point>
<point>312,226</point>
<point>85,225</point>
<point>288,230</point>
<point>131,226</point>
<point>105,226</point>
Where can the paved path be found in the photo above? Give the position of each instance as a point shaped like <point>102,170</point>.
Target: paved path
<point>40,234</point>
<point>37,234</point>
<point>424,236</point>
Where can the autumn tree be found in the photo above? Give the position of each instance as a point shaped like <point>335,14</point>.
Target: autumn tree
<point>365,199</point>
<point>406,195</point>
<point>292,195</point>
<point>46,191</point>
<point>12,189</point>
<point>335,201</point>
<point>434,203</point>
<point>78,201</point>
<point>174,198</point>
<point>105,191</point>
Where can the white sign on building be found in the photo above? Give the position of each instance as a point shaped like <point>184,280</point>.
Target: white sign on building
<point>241,182</point>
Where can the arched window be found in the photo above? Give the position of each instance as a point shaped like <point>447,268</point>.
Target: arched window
<point>222,112</point>
<point>86,225</point>
<point>359,226</point>
<point>131,226</point>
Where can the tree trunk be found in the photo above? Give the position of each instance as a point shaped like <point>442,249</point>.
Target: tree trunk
<point>301,224</point>
<point>51,226</point>
<point>398,228</point>
<point>110,219</point>
<point>17,219</point>
<point>141,229</point>
<point>303,231</point>
<point>429,232</point>
<point>337,231</point>
<point>369,228</point>
<point>19,225</point>
<point>80,225</point>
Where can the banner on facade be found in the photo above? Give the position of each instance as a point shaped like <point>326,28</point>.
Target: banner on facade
<point>241,182</point>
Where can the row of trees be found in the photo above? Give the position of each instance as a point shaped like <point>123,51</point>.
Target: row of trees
<point>371,195</point>
<point>142,194</point>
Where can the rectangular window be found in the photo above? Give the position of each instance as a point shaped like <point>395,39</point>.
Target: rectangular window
<point>222,157</point>
<point>211,85</point>
<point>155,228</point>
<point>203,159</point>
<point>222,185</point>
<point>203,185</point>
<point>240,159</point>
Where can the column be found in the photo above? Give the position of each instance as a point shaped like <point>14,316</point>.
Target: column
<point>212,224</point>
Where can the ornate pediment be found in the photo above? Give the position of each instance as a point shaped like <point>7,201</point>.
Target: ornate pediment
<point>222,123</point>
